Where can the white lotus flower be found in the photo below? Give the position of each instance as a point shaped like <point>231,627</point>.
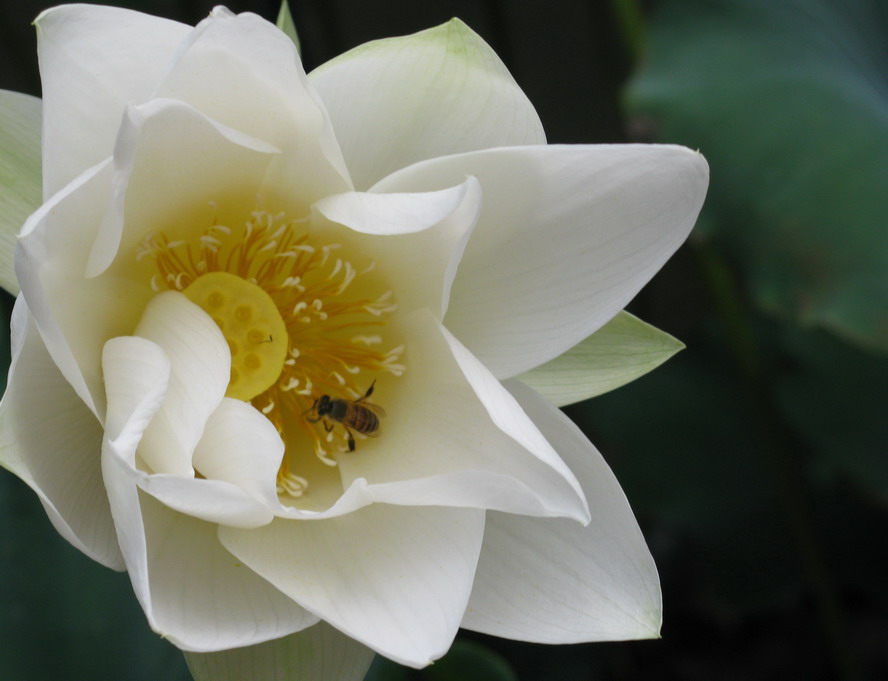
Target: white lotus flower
<point>229,257</point>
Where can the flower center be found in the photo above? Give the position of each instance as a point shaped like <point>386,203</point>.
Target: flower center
<point>307,328</point>
<point>252,325</point>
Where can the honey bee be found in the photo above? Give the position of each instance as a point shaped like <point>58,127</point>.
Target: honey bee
<point>358,415</point>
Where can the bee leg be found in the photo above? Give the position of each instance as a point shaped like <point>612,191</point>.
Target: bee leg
<point>351,440</point>
<point>328,426</point>
<point>368,393</point>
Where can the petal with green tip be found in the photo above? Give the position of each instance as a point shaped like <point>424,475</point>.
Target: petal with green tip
<point>397,101</point>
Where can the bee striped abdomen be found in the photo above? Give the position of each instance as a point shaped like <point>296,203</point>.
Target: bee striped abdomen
<point>363,420</point>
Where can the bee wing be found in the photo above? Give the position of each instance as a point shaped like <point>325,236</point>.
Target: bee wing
<point>375,408</point>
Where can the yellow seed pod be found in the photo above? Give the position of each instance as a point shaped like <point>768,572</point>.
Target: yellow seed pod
<point>252,325</point>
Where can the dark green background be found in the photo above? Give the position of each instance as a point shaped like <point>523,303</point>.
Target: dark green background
<point>756,459</point>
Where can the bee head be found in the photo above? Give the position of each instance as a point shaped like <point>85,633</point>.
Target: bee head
<point>323,405</point>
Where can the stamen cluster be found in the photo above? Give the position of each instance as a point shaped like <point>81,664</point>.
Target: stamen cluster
<point>335,315</point>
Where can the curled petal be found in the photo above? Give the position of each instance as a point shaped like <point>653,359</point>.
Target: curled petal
<point>424,237</point>
<point>575,232</point>
<point>138,379</point>
<point>52,441</point>
<point>200,364</point>
<point>75,317</point>
<point>191,589</point>
<point>241,447</point>
<point>592,583</point>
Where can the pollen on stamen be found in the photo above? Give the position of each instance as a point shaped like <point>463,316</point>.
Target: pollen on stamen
<point>267,247</point>
<point>325,252</point>
<point>349,277</point>
<point>294,282</point>
<point>381,305</point>
<point>292,485</point>
<point>367,340</point>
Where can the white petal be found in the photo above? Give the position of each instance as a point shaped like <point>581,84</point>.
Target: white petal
<point>169,158</point>
<point>213,501</point>
<point>619,352</point>
<point>319,653</point>
<point>425,236</point>
<point>52,441</point>
<point>453,436</point>
<point>573,583</point>
<point>136,377</point>
<point>136,368</point>
<point>389,214</point>
<point>397,101</point>
<point>242,447</point>
<point>75,318</point>
<point>566,237</point>
<point>20,121</point>
<point>245,73</point>
<point>201,362</point>
<point>93,62</point>
<point>191,589</point>
<point>203,598</point>
<point>395,579</point>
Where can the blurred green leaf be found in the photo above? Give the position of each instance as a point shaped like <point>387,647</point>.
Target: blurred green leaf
<point>469,661</point>
<point>684,444</point>
<point>789,102</point>
<point>465,661</point>
<point>693,457</point>
<point>386,670</point>
<point>6,304</point>
<point>836,396</point>
<point>62,616</point>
